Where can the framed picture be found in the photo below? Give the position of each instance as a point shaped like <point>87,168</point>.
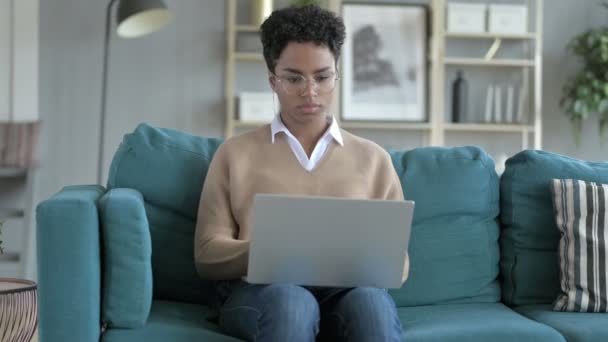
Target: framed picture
<point>384,62</point>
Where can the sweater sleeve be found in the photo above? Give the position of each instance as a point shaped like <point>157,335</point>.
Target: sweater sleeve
<point>394,192</point>
<point>218,254</point>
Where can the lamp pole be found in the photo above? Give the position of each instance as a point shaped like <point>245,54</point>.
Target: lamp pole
<point>135,18</point>
<point>104,90</point>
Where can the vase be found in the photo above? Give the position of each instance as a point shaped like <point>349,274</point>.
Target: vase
<point>460,92</point>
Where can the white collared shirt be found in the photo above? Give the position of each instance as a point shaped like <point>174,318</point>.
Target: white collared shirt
<point>332,133</point>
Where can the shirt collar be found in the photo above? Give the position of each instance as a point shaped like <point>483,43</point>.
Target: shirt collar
<point>277,126</point>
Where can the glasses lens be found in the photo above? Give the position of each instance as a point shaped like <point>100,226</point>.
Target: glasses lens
<point>326,83</point>
<point>322,83</point>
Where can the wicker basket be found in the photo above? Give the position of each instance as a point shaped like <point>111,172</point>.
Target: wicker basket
<point>18,310</point>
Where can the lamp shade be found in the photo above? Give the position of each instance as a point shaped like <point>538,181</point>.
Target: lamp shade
<point>137,18</point>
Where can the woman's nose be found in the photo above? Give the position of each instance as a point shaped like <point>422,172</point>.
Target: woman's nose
<point>310,88</point>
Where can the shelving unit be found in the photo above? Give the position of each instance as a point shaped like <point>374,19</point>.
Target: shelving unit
<point>248,124</point>
<point>16,215</point>
<point>491,62</point>
<point>12,172</point>
<point>248,57</point>
<point>474,127</point>
<point>386,126</point>
<point>530,67</point>
<point>437,127</point>
<point>19,23</point>
<point>488,35</point>
<point>246,28</point>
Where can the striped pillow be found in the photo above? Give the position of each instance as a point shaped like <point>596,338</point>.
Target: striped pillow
<point>582,218</point>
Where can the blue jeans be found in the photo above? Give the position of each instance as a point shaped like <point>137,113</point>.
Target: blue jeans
<point>283,312</point>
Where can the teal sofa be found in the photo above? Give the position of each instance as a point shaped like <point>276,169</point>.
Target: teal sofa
<point>483,248</point>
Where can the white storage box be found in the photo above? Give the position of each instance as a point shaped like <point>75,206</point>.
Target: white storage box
<point>258,106</point>
<point>508,19</point>
<point>466,18</point>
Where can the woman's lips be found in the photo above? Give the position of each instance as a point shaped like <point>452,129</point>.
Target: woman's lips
<point>309,108</point>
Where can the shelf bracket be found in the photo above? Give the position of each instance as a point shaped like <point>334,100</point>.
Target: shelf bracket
<point>493,49</point>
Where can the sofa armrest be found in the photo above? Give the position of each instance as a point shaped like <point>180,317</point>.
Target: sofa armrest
<point>126,295</point>
<point>69,265</point>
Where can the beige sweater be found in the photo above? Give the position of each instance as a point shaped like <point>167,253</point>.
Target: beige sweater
<point>251,163</point>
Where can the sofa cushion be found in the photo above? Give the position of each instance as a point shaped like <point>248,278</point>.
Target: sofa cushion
<point>127,268</point>
<point>175,322</point>
<point>454,241</point>
<point>574,326</point>
<point>471,322</point>
<point>168,168</point>
<point>580,214</point>
<point>172,258</point>
<point>530,238</point>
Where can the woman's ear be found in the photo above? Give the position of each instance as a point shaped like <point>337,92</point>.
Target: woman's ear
<point>272,81</point>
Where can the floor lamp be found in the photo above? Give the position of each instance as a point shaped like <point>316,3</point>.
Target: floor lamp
<point>134,18</point>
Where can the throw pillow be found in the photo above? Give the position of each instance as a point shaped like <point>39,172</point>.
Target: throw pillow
<point>581,212</point>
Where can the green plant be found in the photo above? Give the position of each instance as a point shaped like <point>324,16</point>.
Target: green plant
<point>586,93</point>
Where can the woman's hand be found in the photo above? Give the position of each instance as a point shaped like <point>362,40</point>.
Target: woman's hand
<point>406,269</point>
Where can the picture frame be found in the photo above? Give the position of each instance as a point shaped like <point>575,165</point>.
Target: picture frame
<point>385,62</point>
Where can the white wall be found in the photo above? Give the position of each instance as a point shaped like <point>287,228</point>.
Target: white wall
<point>565,19</point>
<point>173,78</point>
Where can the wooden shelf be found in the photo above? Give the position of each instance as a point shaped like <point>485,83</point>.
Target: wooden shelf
<point>249,124</point>
<point>405,126</point>
<point>491,62</point>
<point>488,35</point>
<point>247,28</point>
<point>6,213</point>
<point>397,126</point>
<point>249,57</point>
<point>10,257</point>
<point>12,172</point>
<point>490,127</point>
<point>387,126</point>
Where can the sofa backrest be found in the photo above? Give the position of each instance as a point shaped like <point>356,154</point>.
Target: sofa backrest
<point>454,242</point>
<point>530,237</point>
<point>168,167</point>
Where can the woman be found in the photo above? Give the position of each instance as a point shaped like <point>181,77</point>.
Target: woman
<point>303,151</point>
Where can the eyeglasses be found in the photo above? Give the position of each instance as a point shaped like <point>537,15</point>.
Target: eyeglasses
<point>322,83</point>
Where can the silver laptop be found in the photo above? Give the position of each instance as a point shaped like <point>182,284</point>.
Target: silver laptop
<point>328,241</point>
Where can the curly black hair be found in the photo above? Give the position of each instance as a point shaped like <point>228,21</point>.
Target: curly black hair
<point>300,24</point>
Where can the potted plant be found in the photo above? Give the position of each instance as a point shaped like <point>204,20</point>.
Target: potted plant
<point>586,93</point>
